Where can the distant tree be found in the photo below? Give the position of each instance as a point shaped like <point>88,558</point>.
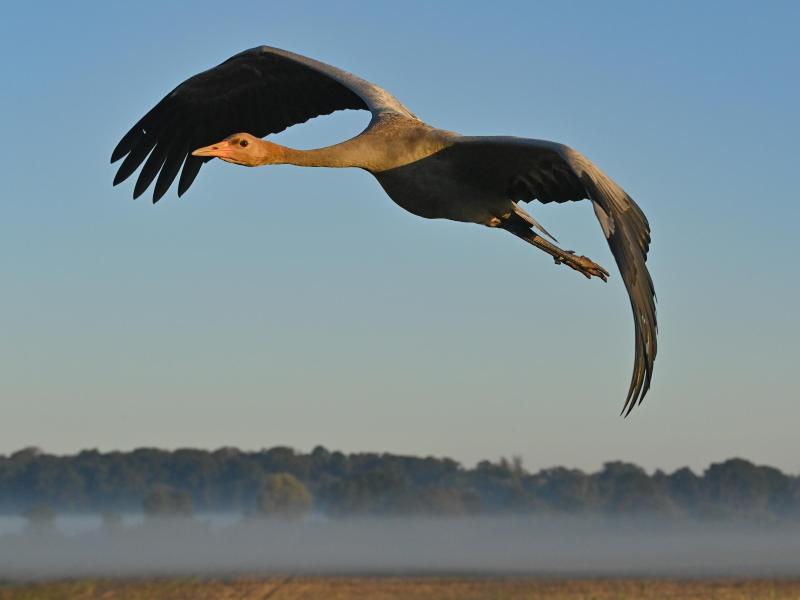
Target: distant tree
<point>503,486</point>
<point>628,490</point>
<point>175,482</point>
<point>166,501</point>
<point>319,460</point>
<point>284,495</point>
<point>441,500</point>
<point>740,488</point>
<point>568,490</point>
<point>26,454</point>
<point>374,487</point>
<point>686,490</point>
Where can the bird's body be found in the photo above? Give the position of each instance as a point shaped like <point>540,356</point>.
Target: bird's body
<point>430,172</point>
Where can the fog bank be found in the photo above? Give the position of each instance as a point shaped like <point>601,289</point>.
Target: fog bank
<point>498,545</point>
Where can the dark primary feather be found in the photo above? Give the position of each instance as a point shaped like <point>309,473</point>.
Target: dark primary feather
<point>629,240</point>
<point>549,172</point>
<point>259,91</point>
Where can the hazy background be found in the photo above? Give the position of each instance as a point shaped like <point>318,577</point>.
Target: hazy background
<point>474,545</point>
<point>302,307</point>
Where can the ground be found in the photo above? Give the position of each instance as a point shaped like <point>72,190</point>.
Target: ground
<point>389,588</point>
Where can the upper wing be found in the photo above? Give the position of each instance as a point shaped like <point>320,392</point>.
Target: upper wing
<point>526,169</point>
<point>260,91</point>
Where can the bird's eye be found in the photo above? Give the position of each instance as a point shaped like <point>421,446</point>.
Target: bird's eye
<point>243,143</point>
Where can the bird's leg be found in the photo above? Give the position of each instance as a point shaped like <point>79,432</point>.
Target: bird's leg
<point>582,264</point>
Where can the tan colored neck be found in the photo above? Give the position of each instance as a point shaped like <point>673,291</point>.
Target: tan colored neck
<point>341,155</point>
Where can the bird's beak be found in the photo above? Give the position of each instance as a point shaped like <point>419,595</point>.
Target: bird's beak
<point>220,150</point>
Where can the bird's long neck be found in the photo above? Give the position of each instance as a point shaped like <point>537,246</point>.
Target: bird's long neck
<point>347,154</point>
<point>389,143</point>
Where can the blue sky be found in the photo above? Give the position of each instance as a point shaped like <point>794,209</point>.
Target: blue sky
<point>287,306</point>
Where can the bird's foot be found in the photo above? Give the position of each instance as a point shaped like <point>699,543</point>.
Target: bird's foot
<point>582,264</point>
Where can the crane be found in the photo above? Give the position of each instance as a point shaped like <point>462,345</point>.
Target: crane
<point>225,112</point>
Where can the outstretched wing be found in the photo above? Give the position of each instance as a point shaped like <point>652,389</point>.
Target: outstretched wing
<point>526,170</point>
<point>260,91</point>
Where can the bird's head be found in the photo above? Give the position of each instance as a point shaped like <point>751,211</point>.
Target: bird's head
<point>243,149</point>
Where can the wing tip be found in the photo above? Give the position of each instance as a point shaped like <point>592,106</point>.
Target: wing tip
<point>119,178</point>
<point>138,190</point>
<point>640,383</point>
<point>117,154</point>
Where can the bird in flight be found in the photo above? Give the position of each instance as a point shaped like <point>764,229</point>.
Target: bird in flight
<point>225,112</point>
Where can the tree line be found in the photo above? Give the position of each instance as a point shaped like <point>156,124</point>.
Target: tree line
<point>281,479</point>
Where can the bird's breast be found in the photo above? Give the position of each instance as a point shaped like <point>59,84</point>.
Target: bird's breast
<point>430,188</point>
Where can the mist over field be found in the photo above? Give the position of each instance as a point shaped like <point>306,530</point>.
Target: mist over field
<point>561,546</point>
<point>278,511</point>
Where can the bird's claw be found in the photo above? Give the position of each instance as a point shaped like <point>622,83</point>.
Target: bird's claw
<point>583,265</point>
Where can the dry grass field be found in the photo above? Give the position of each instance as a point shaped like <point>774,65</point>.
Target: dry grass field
<point>388,588</point>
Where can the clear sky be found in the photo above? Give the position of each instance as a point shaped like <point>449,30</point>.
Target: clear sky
<point>301,307</point>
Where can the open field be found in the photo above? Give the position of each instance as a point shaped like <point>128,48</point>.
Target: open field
<point>388,588</point>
